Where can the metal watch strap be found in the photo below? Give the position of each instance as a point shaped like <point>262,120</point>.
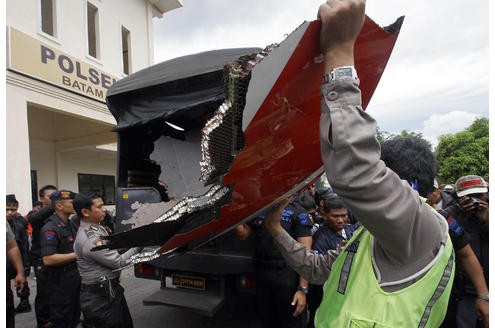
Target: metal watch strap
<point>483,297</point>
<point>303,289</point>
<point>338,73</point>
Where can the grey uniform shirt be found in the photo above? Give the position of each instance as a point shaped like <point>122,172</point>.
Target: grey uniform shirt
<point>95,265</point>
<point>407,233</point>
<point>10,233</point>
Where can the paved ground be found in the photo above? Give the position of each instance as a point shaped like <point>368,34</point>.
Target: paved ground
<point>238,313</point>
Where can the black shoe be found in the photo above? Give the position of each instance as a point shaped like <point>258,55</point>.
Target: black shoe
<point>23,307</point>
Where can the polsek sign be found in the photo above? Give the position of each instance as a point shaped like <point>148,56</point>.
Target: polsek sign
<point>31,57</point>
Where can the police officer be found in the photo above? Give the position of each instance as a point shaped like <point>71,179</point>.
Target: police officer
<point>37,219</point>
<point>19,227</point>
<point>59,259</point>
<point>280,291</point>
<point>102,297</point>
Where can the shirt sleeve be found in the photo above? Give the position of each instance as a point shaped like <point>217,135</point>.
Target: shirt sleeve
<point>302,225</point>
<point>404,227</point>
<point>313,267</point>
<point>49,240</point>
<point>459,238</point>
<point>108,258</point>
<point>10,233</point>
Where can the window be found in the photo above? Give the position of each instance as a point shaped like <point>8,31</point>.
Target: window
<point>126,63</point>
<point>48,16</point>
<point>93,28</point>
<point>34,185</point>
<point>102,184</point>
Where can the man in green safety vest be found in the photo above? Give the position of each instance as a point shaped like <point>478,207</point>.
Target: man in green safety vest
<point>397,270</point>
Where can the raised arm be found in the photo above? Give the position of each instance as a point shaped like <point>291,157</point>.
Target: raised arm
<point>406,230</point>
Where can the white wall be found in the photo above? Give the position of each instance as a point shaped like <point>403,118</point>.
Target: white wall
<point>17,169</point>
<point>71,34</point>
<point>83,162</point>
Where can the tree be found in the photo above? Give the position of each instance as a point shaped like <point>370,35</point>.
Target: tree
<point>414,135</point>
<point>383,136</point>
<point>464,153</point>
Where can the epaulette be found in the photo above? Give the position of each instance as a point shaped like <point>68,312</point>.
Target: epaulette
<point>91,231</point>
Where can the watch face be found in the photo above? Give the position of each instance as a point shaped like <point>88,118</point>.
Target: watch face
<point>343,72</point>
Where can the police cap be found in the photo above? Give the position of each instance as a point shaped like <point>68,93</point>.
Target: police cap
<point>62,195</point>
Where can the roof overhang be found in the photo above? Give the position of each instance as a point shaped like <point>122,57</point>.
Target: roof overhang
<point>160,7</point>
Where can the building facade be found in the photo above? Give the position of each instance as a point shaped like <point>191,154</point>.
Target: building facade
<point>62,56</point>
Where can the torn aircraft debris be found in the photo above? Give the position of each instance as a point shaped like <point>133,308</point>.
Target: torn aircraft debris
<point>229,132</point>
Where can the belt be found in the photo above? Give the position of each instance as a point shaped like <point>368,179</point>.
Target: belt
<point>102,286</point>
<point>102,283</point>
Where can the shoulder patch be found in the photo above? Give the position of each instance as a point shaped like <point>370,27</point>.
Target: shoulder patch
<point>304,219</point>
<point>454,226</point>
<point>90,233</point>
<point>49,235</point>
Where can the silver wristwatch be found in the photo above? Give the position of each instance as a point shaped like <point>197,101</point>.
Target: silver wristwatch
<point>339,73</point>
<point>483,297</point>
<point>303,289</point>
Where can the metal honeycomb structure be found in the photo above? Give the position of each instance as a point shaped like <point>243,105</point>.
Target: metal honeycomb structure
<point>222,135</point>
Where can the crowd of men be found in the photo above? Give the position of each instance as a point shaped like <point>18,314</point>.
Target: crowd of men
<point>73,283</point>
<point>393,266</point>
<point>320,220</point>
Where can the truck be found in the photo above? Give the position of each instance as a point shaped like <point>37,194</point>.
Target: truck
<point>154,103</point>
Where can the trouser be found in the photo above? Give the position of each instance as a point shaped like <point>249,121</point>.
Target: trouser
<point>10,306</point>
<point>41,305</point>
<point>275,289</point>
<point>104,305</point>
<point>24,292</point>
<point>314,298</point>
<point>64,284</point>
<point>461,313</point>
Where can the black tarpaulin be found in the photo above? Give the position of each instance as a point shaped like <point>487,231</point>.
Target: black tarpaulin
<point>179,90</point>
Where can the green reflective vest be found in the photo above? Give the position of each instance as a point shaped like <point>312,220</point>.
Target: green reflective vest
<point>353,298</point>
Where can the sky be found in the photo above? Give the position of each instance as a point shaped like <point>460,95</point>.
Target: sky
<point>436,81</point>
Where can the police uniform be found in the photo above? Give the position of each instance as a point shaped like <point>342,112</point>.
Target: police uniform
<point>41,305</point>
<point>102,297</point>
<point>276,282</point>
<point>63,281</point>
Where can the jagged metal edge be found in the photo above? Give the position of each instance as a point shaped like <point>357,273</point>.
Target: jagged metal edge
<point>187,205</point>
<point>237,70</point>
<point>194,204</point>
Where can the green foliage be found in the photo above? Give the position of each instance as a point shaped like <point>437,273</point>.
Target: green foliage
<point>414,135</point>
<point>383,136</point>
<point>464,153</point>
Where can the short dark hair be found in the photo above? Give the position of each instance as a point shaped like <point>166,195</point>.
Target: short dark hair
<point>306,201</point>
<point>412,160</point>
<point>37,203</point>
<point>323,193</point>
<point>41,193</point>
<point>84,200</point>
<point>11,200</point>
<point>332,203</point>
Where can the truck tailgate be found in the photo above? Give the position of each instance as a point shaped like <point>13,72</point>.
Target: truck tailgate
<point>207,303</point>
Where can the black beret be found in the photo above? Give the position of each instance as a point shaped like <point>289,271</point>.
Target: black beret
<point>62,195</point>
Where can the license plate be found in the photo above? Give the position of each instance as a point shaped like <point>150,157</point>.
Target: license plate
<point>189,282</point>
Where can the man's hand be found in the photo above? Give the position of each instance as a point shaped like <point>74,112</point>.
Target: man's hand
<point>341,22</point>
<point>482,311</point>
<point>19,279</point>
<point>272,221</point>
<point>243,231</point>
<point>483,211</point>
<point>480,210</point>
<point>299,301</point>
